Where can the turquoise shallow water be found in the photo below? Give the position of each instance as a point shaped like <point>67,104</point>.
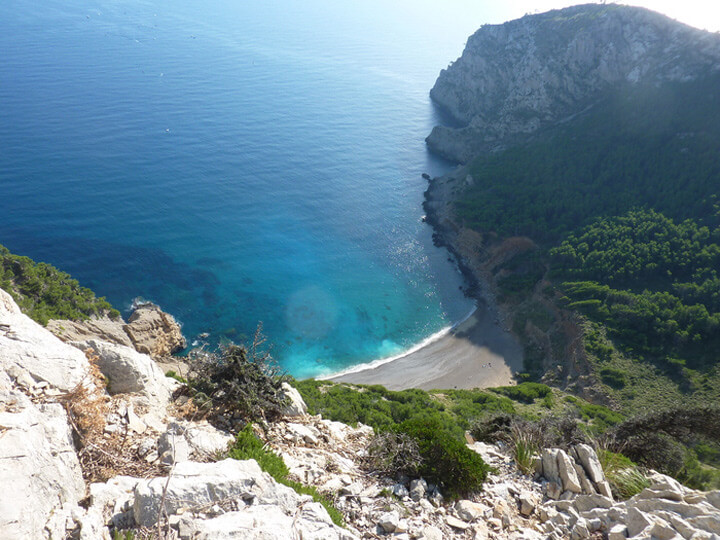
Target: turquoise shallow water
<point>235,162</point>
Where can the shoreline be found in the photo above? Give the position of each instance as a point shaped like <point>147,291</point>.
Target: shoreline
<point>477,352</point>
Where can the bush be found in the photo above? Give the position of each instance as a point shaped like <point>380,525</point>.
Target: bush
<point>446,461</point>
<point>526,392</point>
<point>624,477</point>
<point>237,381</point>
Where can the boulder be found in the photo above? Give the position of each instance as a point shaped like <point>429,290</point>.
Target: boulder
<point>389,521</point>
<point>527,503</point>
<point>550,465</point>
<point>587,457</point>
<point>617,532</point>
<point>637,522</point>
<point>265,522</point>
<point>468,510</point>
<point>296,405</point>
<point>30,354</point>
<point>418,489</point>
<point>197,485</point>
<point>154,332</point>
<point>130,371</point>
<point>566,470</point>
<point>583,503</point>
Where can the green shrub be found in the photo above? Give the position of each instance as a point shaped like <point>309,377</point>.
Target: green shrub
<point>43,292</point>
<point>613,377</point>
<point>447,461</point>
<point>525,447</point>
<point>526,392</point>
<point>248,446</point>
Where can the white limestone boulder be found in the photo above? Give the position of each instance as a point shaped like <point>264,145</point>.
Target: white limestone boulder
<point>30,354</point>
<point>129,371</point>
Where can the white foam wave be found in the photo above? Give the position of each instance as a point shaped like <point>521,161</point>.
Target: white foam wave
<point>381,361</point>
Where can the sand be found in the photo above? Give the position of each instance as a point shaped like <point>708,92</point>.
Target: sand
<point>478,353</point>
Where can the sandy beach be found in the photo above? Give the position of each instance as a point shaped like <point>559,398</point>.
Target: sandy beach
<point>478,353</point>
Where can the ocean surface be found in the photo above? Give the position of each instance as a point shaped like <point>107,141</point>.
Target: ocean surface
<point>236,162</point>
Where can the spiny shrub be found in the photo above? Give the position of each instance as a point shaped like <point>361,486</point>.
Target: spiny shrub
<point>393,454</point>
<point>238,381</point>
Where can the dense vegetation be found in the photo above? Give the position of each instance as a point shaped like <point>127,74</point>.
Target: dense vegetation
<point>642,146</point>
<point>43,292</point>
<point>651,282</point>
<point>622,202</point>
<point>437,422</point>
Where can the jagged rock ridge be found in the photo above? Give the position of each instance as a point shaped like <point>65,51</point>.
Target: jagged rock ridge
<point>517,77</point>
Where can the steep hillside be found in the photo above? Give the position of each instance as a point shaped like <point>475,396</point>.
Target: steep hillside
<point>515,78</point>
<point>589,198</point>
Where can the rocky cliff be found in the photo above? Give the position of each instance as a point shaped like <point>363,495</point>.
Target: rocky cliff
<point>92,443</point>
<point>515,78</point>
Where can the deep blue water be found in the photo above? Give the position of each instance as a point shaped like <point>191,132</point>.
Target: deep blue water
<point>235,162</point>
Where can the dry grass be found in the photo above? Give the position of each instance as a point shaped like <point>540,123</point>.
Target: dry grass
<point>101,456</point>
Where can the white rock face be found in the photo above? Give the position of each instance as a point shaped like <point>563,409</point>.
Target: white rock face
<point>297,406</point>
<point>130,371</point>
<point>516,77</point>
<point>266,509</point>
<point>29,353</point>
<point>38,465</point>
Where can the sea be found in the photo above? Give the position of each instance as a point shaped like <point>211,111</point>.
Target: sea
<point>238,163</point>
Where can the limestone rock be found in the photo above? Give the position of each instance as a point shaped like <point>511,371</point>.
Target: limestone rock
<point>102,328</point>
<point>566,470</point>
<point>129,371</point>
<point>265,522</point>
<point>30,353</point>
<point>197,484</point>
<point>418,489</point>
<point>587,457</point>
<point>296,405</point>
<point>154,332</point>
<point>515,78</point>
<point>550,465</point>
<point>468,510</point>
<point>389,521</point>
<point>617,532</point>
<point>40,470</point>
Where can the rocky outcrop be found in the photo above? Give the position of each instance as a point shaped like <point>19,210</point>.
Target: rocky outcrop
<point>37,455</point>
<point>129,371</point>
<point>103,329</point>
<point>154,332</point>
<point>517,77</point>
<point>149,330</point>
